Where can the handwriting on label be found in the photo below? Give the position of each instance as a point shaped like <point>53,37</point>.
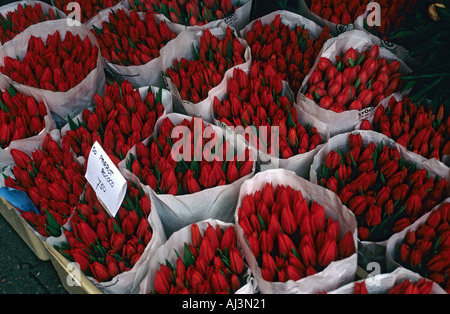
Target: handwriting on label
<point>106,179</point>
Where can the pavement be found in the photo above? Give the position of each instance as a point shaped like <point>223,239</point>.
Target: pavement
<point>21,272</point>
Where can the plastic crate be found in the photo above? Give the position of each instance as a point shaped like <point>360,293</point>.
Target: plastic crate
<point>11,215</point>
<point>73,280</point>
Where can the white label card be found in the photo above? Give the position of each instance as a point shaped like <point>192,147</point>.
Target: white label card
<point>106,179</point>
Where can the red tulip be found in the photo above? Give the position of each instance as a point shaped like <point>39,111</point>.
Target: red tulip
<point>100,272</point>
<point>328,253</point>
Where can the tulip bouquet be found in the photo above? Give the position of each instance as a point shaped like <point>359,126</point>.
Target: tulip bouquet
<point>192,169</point>
<point>418,128</point>
<point>358,81</point>
<point>290,237</point>
<point>338,12</point>
<point>20,116</point>
<point>291,50</point>
<point>259,99</point>
<point>194,71</point>
<point>56,64</point>
<point>209,262</point>
<point>385,192</point>
<point>424,248</point>
<point>159,166</point>
<point>406,287</point>
<point>119,120</point>
<point>126,39</point>
<point>53,180</point>
<point>188,12</point>
<point>399,281</point>
<point>131,44</point>
<point>351,76</point>
<point>105,246</point>
<point>89,8</point>
<point>393,15</point>
<point>19,17</point>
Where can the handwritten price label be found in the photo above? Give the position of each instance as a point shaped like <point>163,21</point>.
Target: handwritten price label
<point>106,179</point>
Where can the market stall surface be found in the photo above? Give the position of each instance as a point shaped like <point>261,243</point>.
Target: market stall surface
<point>21,272</point>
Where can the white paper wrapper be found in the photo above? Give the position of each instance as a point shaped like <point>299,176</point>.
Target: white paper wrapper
<point>398,238</point>
<point>138,75</point>
<point>128,282</point>
<point>371,251</point>
<point>382,283</point>
<point>346,121</point>
<point>337,273</point>
<point>181,47</point>
<point>176,243</point>
<point>299,163</point>
<point>179,211</point>
<point>61,104</point>
<point>11,7</point>
<point>237,20</point>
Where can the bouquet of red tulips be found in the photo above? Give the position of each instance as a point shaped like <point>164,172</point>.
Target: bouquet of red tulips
<point>340,15</point>
<point>358,81</point>
<point>193,71</point>
<point>384,188</point>
<point>288,47</point>
<point>196,12</point>
<point>126,39</point>
<point>202,258</point>
<point>424,247</point>
<point>393,15</point>
<point>106,247</point>
<point>351,77</point>
<point>21,117</point>
<point>53,180</point>
<point>399,281</point>
<point>122,118</point>
<point>55,63</point>
<point>423,287</point>
<point>16,17</point>
<point>88,8</point>
<point>417,128</point>
<point>338,12</point>
<point>291,237</point>
<point>156,167</point>
<point>131,43</point>
<point>259,101</point>
<point>185,159</point>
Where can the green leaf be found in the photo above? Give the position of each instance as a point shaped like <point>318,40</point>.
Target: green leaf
<point>262,222</point>
<point>351,62</point>
<point>12,91</point>
<point>52,225</point>
<point>99,31</point>
<point>72,124</point>
<point>189,259</point>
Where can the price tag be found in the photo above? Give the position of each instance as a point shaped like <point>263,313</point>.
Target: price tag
<point>106,179</point>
